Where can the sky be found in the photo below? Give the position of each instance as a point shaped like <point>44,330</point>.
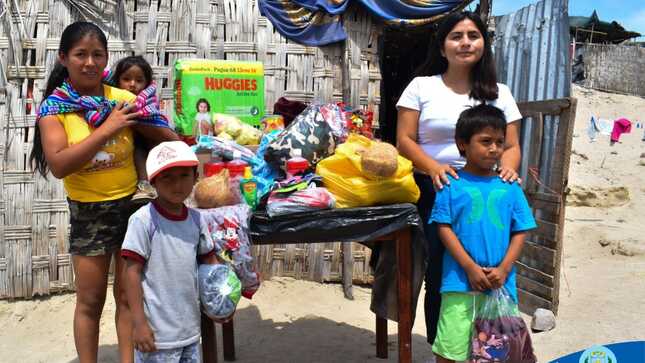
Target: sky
<point>629,13</point>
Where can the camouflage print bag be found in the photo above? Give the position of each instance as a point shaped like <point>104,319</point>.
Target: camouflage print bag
<point>315,132</point>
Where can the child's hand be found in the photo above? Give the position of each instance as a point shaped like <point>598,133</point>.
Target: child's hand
<point>496,276</point>
<point>143,337</point>
<point>477,278</point>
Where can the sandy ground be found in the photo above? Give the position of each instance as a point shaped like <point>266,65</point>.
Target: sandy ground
<point>601,299</point>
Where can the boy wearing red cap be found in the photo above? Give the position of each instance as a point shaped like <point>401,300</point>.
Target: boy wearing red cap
<point>163,245</point>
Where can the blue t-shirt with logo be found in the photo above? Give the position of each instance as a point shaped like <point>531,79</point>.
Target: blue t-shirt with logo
<point>483,212</point>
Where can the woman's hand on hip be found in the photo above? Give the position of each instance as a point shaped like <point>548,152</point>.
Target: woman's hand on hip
<point>122,116</point>
<point>439,175</point>
<point>508,174</point>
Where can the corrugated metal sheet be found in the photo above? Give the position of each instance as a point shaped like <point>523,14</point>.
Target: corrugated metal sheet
<point>531,49</point>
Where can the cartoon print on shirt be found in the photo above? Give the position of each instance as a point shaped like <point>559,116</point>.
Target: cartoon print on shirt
<point>112,155</point>
<point>101,161</point>
<point>491,206</point>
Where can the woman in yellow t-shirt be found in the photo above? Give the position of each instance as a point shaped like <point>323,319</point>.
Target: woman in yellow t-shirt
<point>95,161</point>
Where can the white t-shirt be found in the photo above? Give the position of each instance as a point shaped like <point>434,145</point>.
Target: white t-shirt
<point>440,108</point>
<point>168,247</point>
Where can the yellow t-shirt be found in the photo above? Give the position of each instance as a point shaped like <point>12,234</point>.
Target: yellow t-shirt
<point>110,174</point>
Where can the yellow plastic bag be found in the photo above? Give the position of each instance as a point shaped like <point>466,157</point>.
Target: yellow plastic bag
<point>344,178</point>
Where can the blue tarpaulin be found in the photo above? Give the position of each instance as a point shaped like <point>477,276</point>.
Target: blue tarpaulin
<point>318,22</point>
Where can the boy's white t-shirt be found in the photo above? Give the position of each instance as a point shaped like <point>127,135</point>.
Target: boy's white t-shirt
<point>168,249</point>
<point>440,108</point>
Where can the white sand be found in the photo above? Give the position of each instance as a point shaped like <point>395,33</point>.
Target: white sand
<point>601,300</point>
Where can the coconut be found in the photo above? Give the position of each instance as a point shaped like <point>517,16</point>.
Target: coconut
<point>380,160</point>
<point>214,191</point>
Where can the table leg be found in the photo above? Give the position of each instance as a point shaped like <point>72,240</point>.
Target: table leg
<point>209,342</point>
<point>228,337</point>
<point>404,282</point>
<point>381,337</point>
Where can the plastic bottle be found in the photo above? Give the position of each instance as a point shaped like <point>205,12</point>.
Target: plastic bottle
<point>213,167</point>
<point>249,188</point>
<point>236,172</point>
<point>296,165</point>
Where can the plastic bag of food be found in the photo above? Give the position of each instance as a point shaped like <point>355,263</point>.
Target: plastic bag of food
<point>249,135</point>
<point>219,290</point>
<point>225,149</point>
<point>272,123</point>
<point>308,199</point>
<point>226,123</point>
<point>315,133</point>
<point>344,177</point>
<point>499,332</point>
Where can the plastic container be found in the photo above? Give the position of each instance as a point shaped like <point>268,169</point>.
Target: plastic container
<point>296,165</point>
<point>249,188</point>
<point>213,168</point>
<point>236,173</point>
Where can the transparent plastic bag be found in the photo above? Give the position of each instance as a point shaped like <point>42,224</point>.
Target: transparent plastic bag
<point>499,332</point>
<point>229,227</point>
<point>311,198</point>
<point>219,290</point>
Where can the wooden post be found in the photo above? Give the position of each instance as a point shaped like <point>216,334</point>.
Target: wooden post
<point>228,339</point>
<point>381,337</point>
<point>559,182</point>
<point>348,270</point>
<point>485,7</point>
<point>404,282</point>
<point>345,73</point>
<point>209,342</point>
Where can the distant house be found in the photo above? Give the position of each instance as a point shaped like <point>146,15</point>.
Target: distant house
<point>593,30</point>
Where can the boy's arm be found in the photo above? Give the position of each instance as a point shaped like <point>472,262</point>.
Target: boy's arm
<point>521,222</point>
<point>476,275</point>
<point>209,259</point>
<point>143,337</point>
<point>497,275</point>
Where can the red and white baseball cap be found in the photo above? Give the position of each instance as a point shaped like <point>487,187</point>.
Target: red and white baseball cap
<point>169,154</point>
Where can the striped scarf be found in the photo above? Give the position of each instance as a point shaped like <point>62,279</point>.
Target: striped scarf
<point>65,99</point>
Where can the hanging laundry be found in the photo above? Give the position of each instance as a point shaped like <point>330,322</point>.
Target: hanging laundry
<point>598,126</point>
<point>621,126</point>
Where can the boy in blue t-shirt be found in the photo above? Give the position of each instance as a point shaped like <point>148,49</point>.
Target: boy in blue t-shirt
<point>482,221</point>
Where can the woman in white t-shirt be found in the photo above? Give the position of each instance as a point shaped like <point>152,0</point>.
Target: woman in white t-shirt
<point>460,73</point>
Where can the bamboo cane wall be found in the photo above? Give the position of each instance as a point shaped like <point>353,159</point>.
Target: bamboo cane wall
<point>33,210</point>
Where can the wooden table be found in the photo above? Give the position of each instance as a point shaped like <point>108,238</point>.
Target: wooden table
<point>346,233</point>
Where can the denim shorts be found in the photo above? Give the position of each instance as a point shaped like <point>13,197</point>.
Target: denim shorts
<point>188,354</point>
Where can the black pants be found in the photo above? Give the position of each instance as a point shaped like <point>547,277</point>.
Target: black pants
<point>435,251</point>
